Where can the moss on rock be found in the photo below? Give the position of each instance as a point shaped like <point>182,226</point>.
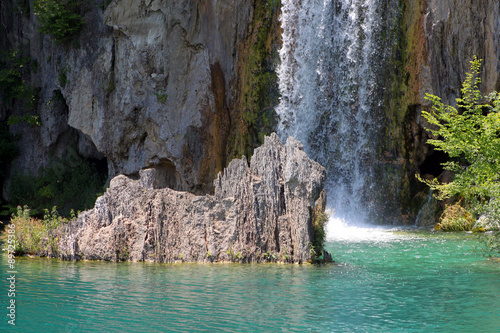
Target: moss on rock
<point>258,91</point>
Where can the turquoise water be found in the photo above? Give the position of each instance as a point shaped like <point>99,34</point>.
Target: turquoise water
<point>393,282</point>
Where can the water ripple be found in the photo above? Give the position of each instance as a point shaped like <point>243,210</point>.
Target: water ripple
<point>409,282</point>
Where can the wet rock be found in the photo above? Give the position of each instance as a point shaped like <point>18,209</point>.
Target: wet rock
<point>487,223</point>
<point>428,215</point>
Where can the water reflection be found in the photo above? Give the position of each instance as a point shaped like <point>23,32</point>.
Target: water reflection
<point>410,282</point>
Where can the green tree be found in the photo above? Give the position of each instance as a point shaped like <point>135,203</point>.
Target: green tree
<point>15,68</point>
<point>58,18</point>
<point>470,135</point>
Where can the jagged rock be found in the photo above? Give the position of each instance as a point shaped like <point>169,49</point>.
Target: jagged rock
<point>258,212</point>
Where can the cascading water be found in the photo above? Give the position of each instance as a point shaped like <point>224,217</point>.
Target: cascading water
<point>330,80</point>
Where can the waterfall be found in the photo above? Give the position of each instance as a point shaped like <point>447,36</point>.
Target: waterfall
<point>424,206</point>
<point>331,69</point>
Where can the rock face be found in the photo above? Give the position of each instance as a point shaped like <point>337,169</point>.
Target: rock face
<point>145,84</point>
<point>162,84</point>
<point>438,40</point>
<point>257,213</point>
<point>161,64</point>
<point>163,67</point>
<point>455,31</point>
<point>48,75</point>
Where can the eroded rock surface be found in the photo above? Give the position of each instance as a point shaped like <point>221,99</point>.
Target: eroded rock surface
<point>161,65</point>
<point>145,84</point>
<point>258,212</point>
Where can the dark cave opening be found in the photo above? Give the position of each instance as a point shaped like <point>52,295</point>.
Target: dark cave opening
<point>432,164</point>
<point>100,165</point>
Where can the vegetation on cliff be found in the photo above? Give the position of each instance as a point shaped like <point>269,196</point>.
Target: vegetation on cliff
<point>404,83</point>
<point>69,183</point>
<point>259,92</point>
<point>469,134</point>
<point>72,182</point>
<point>15,69</point>
<point>15,92</point>
<point>455,218</point>
<point>319,220</point>
<point>60,19</point>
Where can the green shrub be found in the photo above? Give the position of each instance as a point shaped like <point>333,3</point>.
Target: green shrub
<point>270,256</point>
<point>15,67</point>
<point>469,134</point>
<point>32,120</point>
<point>232,255</point>
<point>35,236</point>
<point>455,218</point>
<point>319,222</point>
<point>161,96</point>
<point>58,18</point>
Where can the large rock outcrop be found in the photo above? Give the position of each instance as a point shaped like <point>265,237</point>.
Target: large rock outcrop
<point>258,212</point>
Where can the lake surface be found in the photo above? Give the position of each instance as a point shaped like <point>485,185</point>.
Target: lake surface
<point>384,281</point>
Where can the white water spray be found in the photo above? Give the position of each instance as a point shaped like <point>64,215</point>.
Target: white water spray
<point>331,99</point>
<point>340,230</point>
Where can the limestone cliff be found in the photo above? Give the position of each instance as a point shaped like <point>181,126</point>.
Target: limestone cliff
<point>437,40</point>
<point>259,212</point>
<point>163,67</point>
<point>146,84</point>
<point>185,86</point>
<point>46,74</point>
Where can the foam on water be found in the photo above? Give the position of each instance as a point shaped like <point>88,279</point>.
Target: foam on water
<point>338,229</point>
